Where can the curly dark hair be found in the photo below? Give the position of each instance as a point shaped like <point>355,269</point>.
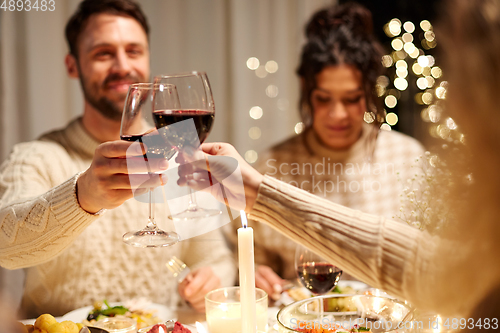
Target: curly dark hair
<point>340,35</point>
<point>87,8</point>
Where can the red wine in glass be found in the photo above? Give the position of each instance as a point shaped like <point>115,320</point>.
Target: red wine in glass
<point>184,113</point>
<point>319,278</point>
<point>180,136</point>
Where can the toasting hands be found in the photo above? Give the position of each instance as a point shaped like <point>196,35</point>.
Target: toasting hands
<point>220,164</point>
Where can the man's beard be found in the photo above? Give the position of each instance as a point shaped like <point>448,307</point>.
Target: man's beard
<point>109,109</point>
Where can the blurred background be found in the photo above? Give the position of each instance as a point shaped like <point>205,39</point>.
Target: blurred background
<point>250,50</point>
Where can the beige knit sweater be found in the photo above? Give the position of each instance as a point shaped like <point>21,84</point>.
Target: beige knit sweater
<point>75,258</point>
<point>352,178</point>
<point>404,261</point>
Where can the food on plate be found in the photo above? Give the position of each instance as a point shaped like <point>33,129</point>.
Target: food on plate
<point>336,304</point>
<point>46,323</point>
<point>102,310</point>
<point>162,328</point>
<point>298,294</point>
<point>179,328</point>
<point>158,328</point>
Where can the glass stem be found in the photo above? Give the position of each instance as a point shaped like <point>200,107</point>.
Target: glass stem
<point>151,222</point>
<point>192,201</point>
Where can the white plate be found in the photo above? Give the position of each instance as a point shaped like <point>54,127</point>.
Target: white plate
<point>78,315</point>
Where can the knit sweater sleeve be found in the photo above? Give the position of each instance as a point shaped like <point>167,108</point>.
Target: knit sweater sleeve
<point>381,252</point>
<point>37,219</point>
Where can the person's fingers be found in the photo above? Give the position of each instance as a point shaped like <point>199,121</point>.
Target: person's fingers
<point>273,280</point>
<point>262,283</point>
<point>212,283</point>
<point>120,148</point>
<point>212,148</point>
<point>196,282</point>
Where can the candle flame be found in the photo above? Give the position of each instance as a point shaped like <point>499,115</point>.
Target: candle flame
<point>244,222</point>
<point>200,328</point>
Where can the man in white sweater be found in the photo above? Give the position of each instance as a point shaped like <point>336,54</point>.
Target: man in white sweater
<point>66,201</point>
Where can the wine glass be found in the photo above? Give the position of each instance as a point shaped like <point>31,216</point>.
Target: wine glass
<point>186,124</point>
<point>315,273</point>
<point>137,125</point>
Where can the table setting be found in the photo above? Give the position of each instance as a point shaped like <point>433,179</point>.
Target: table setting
<point>174,115</point>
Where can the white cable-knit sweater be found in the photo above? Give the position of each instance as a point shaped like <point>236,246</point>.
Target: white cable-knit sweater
<point>74,258</point>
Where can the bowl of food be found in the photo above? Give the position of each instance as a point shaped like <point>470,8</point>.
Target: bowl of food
<point>345,313</point>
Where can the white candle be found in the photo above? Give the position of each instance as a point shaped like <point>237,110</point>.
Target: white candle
<point>247,276</point>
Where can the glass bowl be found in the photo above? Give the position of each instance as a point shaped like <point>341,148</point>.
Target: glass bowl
<point>377,313</point>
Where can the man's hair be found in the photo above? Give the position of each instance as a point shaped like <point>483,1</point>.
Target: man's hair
<point>87,8</point>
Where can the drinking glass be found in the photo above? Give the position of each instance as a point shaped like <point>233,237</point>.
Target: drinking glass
<point>315,273</point>
<point>137,125</point>
<point>185,121</point>
<point>223,310</point>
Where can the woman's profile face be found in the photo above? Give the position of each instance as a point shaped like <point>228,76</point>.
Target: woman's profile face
<point>338,104</point>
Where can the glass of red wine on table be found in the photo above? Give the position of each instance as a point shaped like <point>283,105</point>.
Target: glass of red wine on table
<point>315,273</point>
<point>185,121</point>
<point>138,126</point>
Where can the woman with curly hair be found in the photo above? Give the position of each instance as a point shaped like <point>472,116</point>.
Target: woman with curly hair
<point>339,156</point>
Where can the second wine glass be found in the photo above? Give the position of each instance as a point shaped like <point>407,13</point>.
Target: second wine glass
<point>185,121</point>
<point>138,126</point>
<point>315,273</point>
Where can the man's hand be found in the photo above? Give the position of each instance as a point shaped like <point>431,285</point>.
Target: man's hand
<point>117,164</point>
<point>196,285</point>
<point>267,280</point>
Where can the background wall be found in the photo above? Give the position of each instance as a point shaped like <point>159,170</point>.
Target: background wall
<point>216,36</point>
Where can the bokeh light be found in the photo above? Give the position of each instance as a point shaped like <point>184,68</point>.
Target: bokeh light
<point>299,127</point>
<point>441,92</point>
<point>409,27</point>
<point>272,91</point>
<point>251,156</point>
<point>397,44</point>
<point>451,124</point>
<point>369,117</point>
<point>409,48</point>
<point>385,127</point>
<point>387,61</point>
<point>436,72</point>
<point>425,25</point>
<point>254,133</point>
<point>422,83</point>
<point>416,68</point>
<point>271,66</point>
<point>253,63</point>
<point>395,27</point>
<point>427,97</point>
<point>400,83</point>
<point>391,118</point>
<point>407,38</point>
<point>390,101</point>
<point>256,112</point>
